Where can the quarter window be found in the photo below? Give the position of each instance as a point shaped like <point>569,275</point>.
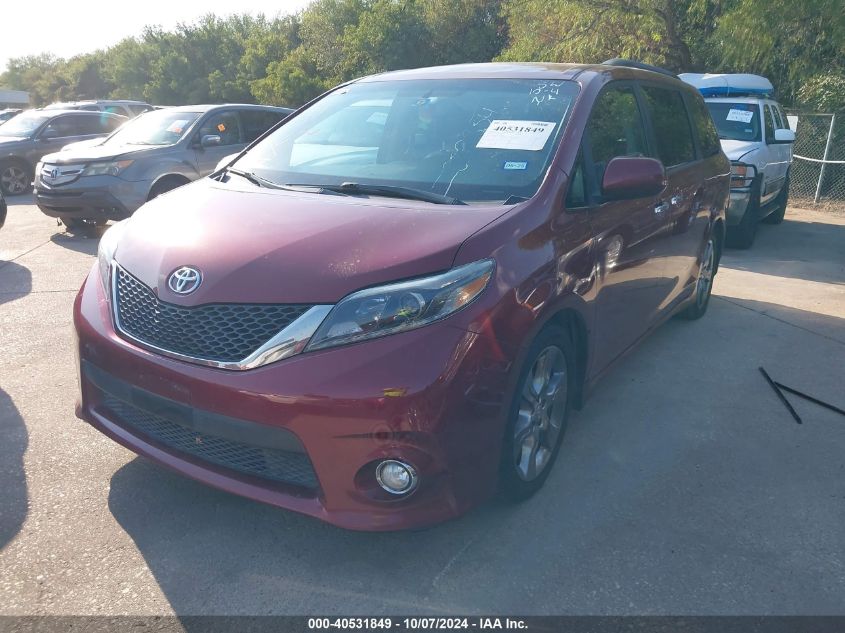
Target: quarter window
<point>671,125</point>
<point>576,195</point>
<point>615,128</point>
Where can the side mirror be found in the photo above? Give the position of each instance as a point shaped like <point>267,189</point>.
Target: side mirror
<point>210,140</point>
<point>48,135</point>
<point>633,177</point>
<point>784,136</point>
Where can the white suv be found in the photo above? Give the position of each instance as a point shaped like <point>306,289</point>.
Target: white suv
<point>756,136</point>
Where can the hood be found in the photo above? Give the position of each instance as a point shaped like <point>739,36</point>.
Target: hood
<point>735,150</point>
<point>270,246</point>
<point>89,154</point>
<point>80,144</point>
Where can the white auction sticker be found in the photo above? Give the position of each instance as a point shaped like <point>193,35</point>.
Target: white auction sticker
<point>740,115</point>
<point>506,134</point>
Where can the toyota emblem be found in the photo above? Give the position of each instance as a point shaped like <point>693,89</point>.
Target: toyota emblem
<point>184,280</point>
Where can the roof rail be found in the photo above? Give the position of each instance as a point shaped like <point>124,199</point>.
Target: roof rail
<point>630,63</point>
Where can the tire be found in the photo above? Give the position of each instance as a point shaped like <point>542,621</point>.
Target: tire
<point>78,224</point>
<point>165,185</point>
<point>15,178</point>
<point>72,223</point>
<point>742,235</point>
<point>704,284</point>
<point>535,426</point>
<point>776,216</point>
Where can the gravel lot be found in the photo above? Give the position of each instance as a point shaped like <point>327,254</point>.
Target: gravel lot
<point>683,487</point>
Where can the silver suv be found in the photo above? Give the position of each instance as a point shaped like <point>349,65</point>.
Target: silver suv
<point>154,153</point>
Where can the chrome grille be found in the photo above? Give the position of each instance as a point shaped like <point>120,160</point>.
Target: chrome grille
<point>222,332</point>
<point>267,463</point>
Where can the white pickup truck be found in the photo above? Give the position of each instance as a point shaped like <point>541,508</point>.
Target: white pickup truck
<point>756,137</point>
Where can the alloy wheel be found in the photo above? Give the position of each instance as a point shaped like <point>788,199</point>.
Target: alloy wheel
<point>13,180</point>
<point>705,273</point>
<point>540,418</point>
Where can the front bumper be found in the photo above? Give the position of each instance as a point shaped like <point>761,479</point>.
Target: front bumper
<point>91,198</point>
<point>740,201</point>
<point>431,397</point>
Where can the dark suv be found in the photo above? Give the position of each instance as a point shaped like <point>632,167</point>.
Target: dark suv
<point>385,309</point>
<point>32,134</point>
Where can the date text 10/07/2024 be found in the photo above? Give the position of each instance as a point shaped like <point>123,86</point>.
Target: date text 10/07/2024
<point>417,623</point>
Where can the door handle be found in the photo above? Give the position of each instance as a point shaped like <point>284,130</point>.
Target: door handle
<point>661,208</point>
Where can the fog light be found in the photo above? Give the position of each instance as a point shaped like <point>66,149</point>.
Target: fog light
<point>396,477</point>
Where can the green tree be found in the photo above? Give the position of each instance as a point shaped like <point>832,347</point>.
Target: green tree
<point>789,42</point>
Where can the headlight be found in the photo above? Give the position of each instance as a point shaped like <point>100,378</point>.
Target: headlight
<point>402,306</point>
<point>742,174</point>
<point>106,249</point>
<point>112,168</point>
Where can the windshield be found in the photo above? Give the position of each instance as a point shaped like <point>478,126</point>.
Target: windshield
<point>736,121</point>
<point>160,127</point>
<point>475,140</point>
<point>24,124</point>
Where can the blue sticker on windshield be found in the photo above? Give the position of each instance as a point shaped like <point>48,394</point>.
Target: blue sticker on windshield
<point>511,164</point>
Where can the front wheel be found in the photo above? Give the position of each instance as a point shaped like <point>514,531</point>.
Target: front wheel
<point>15,178</point>
<point>704,283</point>
<point>538,414</point>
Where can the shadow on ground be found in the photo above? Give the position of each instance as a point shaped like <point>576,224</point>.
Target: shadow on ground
<point>812,251</point>
<point>13,491</point>
<point>20,201</point>
<point>682,487</point>
<point>82,240</point>
<point>15,283</point>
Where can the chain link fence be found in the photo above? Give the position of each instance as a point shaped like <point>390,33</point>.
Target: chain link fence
<point>817,177</point>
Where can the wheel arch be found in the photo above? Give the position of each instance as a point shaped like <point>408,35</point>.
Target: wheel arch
<point>573,323</point>
<point>180,179</point>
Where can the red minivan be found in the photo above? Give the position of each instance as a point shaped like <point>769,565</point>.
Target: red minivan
<point>383,310</point>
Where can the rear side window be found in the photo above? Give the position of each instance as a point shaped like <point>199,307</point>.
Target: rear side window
<point>708,137</point>
<point>256,122</point>
<point>615,128</point>
<point>671,125</point>
<point>73,125</point>
<point>770,124</point>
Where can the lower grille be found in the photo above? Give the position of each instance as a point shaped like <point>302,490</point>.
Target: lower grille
<point>276,465</point>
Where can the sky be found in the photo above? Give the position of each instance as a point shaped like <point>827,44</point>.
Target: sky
<point>69,27</point>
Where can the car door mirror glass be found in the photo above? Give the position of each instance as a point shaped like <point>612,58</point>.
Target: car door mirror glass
<point>210,140</point>
<point>784,136</point>
<point>627,177</point>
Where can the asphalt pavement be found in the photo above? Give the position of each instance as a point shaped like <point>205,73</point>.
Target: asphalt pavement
<point>683,487</point>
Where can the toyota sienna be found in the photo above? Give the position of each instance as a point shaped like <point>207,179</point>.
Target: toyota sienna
<point>382,311</point>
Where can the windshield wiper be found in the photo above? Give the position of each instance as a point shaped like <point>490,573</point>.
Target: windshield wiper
<point>263,182</point>
<point>390,191</point>
<point>254,178</point>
